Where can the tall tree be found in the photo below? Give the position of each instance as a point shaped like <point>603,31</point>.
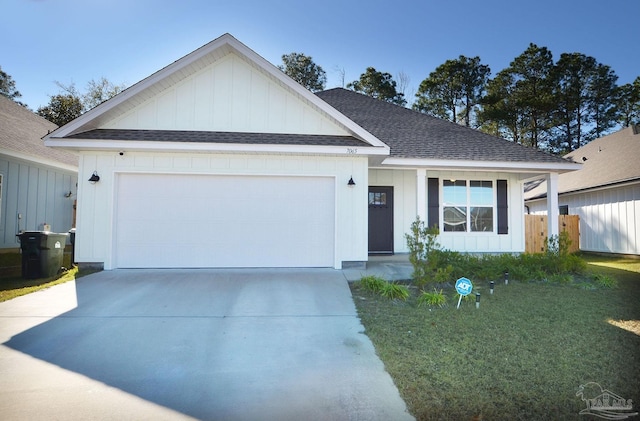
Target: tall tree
<point>501,115</point>
<point>627,103</point>
<point>303,70</point>
<point>532,93</point>
<point>454,88</point>
<point>601,103</point>
<point>71,103</point>
<point>8,87</point>
<point>62,108</point>
<point>519,99</point>
<point>378,85</point>
<point>95,93</point>
<point>572,73</point>
<point>438,95</point>
<point>473,81</point>
<point>584,93</point>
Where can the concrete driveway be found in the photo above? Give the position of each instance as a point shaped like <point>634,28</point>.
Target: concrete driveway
<point>275,344</point>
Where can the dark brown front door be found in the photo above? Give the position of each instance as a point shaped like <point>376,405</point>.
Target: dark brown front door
<point>381,220</point>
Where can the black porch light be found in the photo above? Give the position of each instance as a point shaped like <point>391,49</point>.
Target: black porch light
<point>94,177</point>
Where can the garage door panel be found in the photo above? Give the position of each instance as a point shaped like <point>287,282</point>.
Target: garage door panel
<point>224,221</point>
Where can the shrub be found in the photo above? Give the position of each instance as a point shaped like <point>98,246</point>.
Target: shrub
<point>432,299</point>
<point>393,291</point>
<point>373,283</point>
<point>424,249</point>
<point>432,264</point>
<point>605,281</point>
<point>561,278</point>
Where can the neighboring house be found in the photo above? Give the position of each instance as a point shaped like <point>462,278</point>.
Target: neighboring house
<point>605,193</point>
<point>37,183</point>
<point>221,160</point>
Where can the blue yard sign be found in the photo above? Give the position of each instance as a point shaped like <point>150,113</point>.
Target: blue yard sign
<point>463,287</point>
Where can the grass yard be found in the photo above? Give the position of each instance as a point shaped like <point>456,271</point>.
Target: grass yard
<point>521,356</point>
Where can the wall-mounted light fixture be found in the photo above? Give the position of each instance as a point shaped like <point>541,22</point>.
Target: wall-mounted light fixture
<point>94,177</point>
<point>69,194</point>
<point>351,183</point>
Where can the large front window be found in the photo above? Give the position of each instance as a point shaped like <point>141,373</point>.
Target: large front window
<point>468,205</point>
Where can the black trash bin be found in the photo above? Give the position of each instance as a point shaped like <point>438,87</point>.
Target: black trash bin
<point>42,253</point>
<point>72,239</point>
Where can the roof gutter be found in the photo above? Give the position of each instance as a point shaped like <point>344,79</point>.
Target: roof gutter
<point>504,166</point>
<point>150,146</point>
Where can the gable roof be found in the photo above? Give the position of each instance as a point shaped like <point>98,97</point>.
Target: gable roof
<point>419,138</point>
<point>21,133</point>
<point>72,134</point>
<point>606,161</point>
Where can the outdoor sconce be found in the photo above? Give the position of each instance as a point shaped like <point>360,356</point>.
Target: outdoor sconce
<point>351,183</point>
<point>94,177</point>
<point>69,194</point>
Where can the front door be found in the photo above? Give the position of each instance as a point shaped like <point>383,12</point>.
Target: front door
<point>380,220</point>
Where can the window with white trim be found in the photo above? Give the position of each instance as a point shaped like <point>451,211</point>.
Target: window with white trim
<point>468,205</point>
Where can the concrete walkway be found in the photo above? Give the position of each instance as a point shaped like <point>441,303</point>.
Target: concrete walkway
<point>276,344</point>
<point>392,268</point>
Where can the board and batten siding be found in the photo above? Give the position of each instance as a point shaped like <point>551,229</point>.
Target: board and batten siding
<point>609,218</point>
<point>404,183</point>
<point>37,193</point>
<point>95,218</point>
<point>228,95</point>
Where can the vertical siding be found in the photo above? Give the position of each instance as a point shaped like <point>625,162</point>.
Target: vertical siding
<point>404,184</point>
<point>608,218</point>
<point>228,95</point>
<point>94,238</point>
<point>37,192</point>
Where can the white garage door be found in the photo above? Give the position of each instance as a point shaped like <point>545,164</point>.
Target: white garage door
<point>178,221</point>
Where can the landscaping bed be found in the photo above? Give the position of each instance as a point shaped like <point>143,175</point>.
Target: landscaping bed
<point>521,355</point>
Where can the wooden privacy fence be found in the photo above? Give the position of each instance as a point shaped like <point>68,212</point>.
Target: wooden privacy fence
<point>536,232</point>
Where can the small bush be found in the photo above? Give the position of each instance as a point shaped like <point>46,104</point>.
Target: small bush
<point>373,283</point>
<point>605,281</point>
<point>432,299</point>
<point>561,278</point>
<point>393,291</point>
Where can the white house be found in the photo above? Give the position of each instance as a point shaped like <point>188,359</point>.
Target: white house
<point>605,193</point>
<point>221,160</point>
<point>37,184</point>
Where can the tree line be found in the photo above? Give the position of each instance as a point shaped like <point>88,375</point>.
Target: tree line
<point>556,106</point>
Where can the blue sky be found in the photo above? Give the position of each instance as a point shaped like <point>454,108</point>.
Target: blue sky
<point>127,40</point>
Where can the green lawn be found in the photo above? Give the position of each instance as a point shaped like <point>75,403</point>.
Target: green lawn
<point>521,356</point>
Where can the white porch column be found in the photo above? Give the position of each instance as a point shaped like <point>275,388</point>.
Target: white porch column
<point>421,194</point>
<point>552,205</point>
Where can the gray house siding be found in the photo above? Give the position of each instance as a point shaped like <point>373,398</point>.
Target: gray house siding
<point>37,194</point>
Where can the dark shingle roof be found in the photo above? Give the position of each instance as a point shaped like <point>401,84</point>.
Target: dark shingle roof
<point>21,132</point>
<point>411,134</point>
<point>607,161</point>
<point>219,137</point>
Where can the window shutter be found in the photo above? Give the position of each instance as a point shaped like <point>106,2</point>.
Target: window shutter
<point>503,214</point>
<point>433,202</point>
